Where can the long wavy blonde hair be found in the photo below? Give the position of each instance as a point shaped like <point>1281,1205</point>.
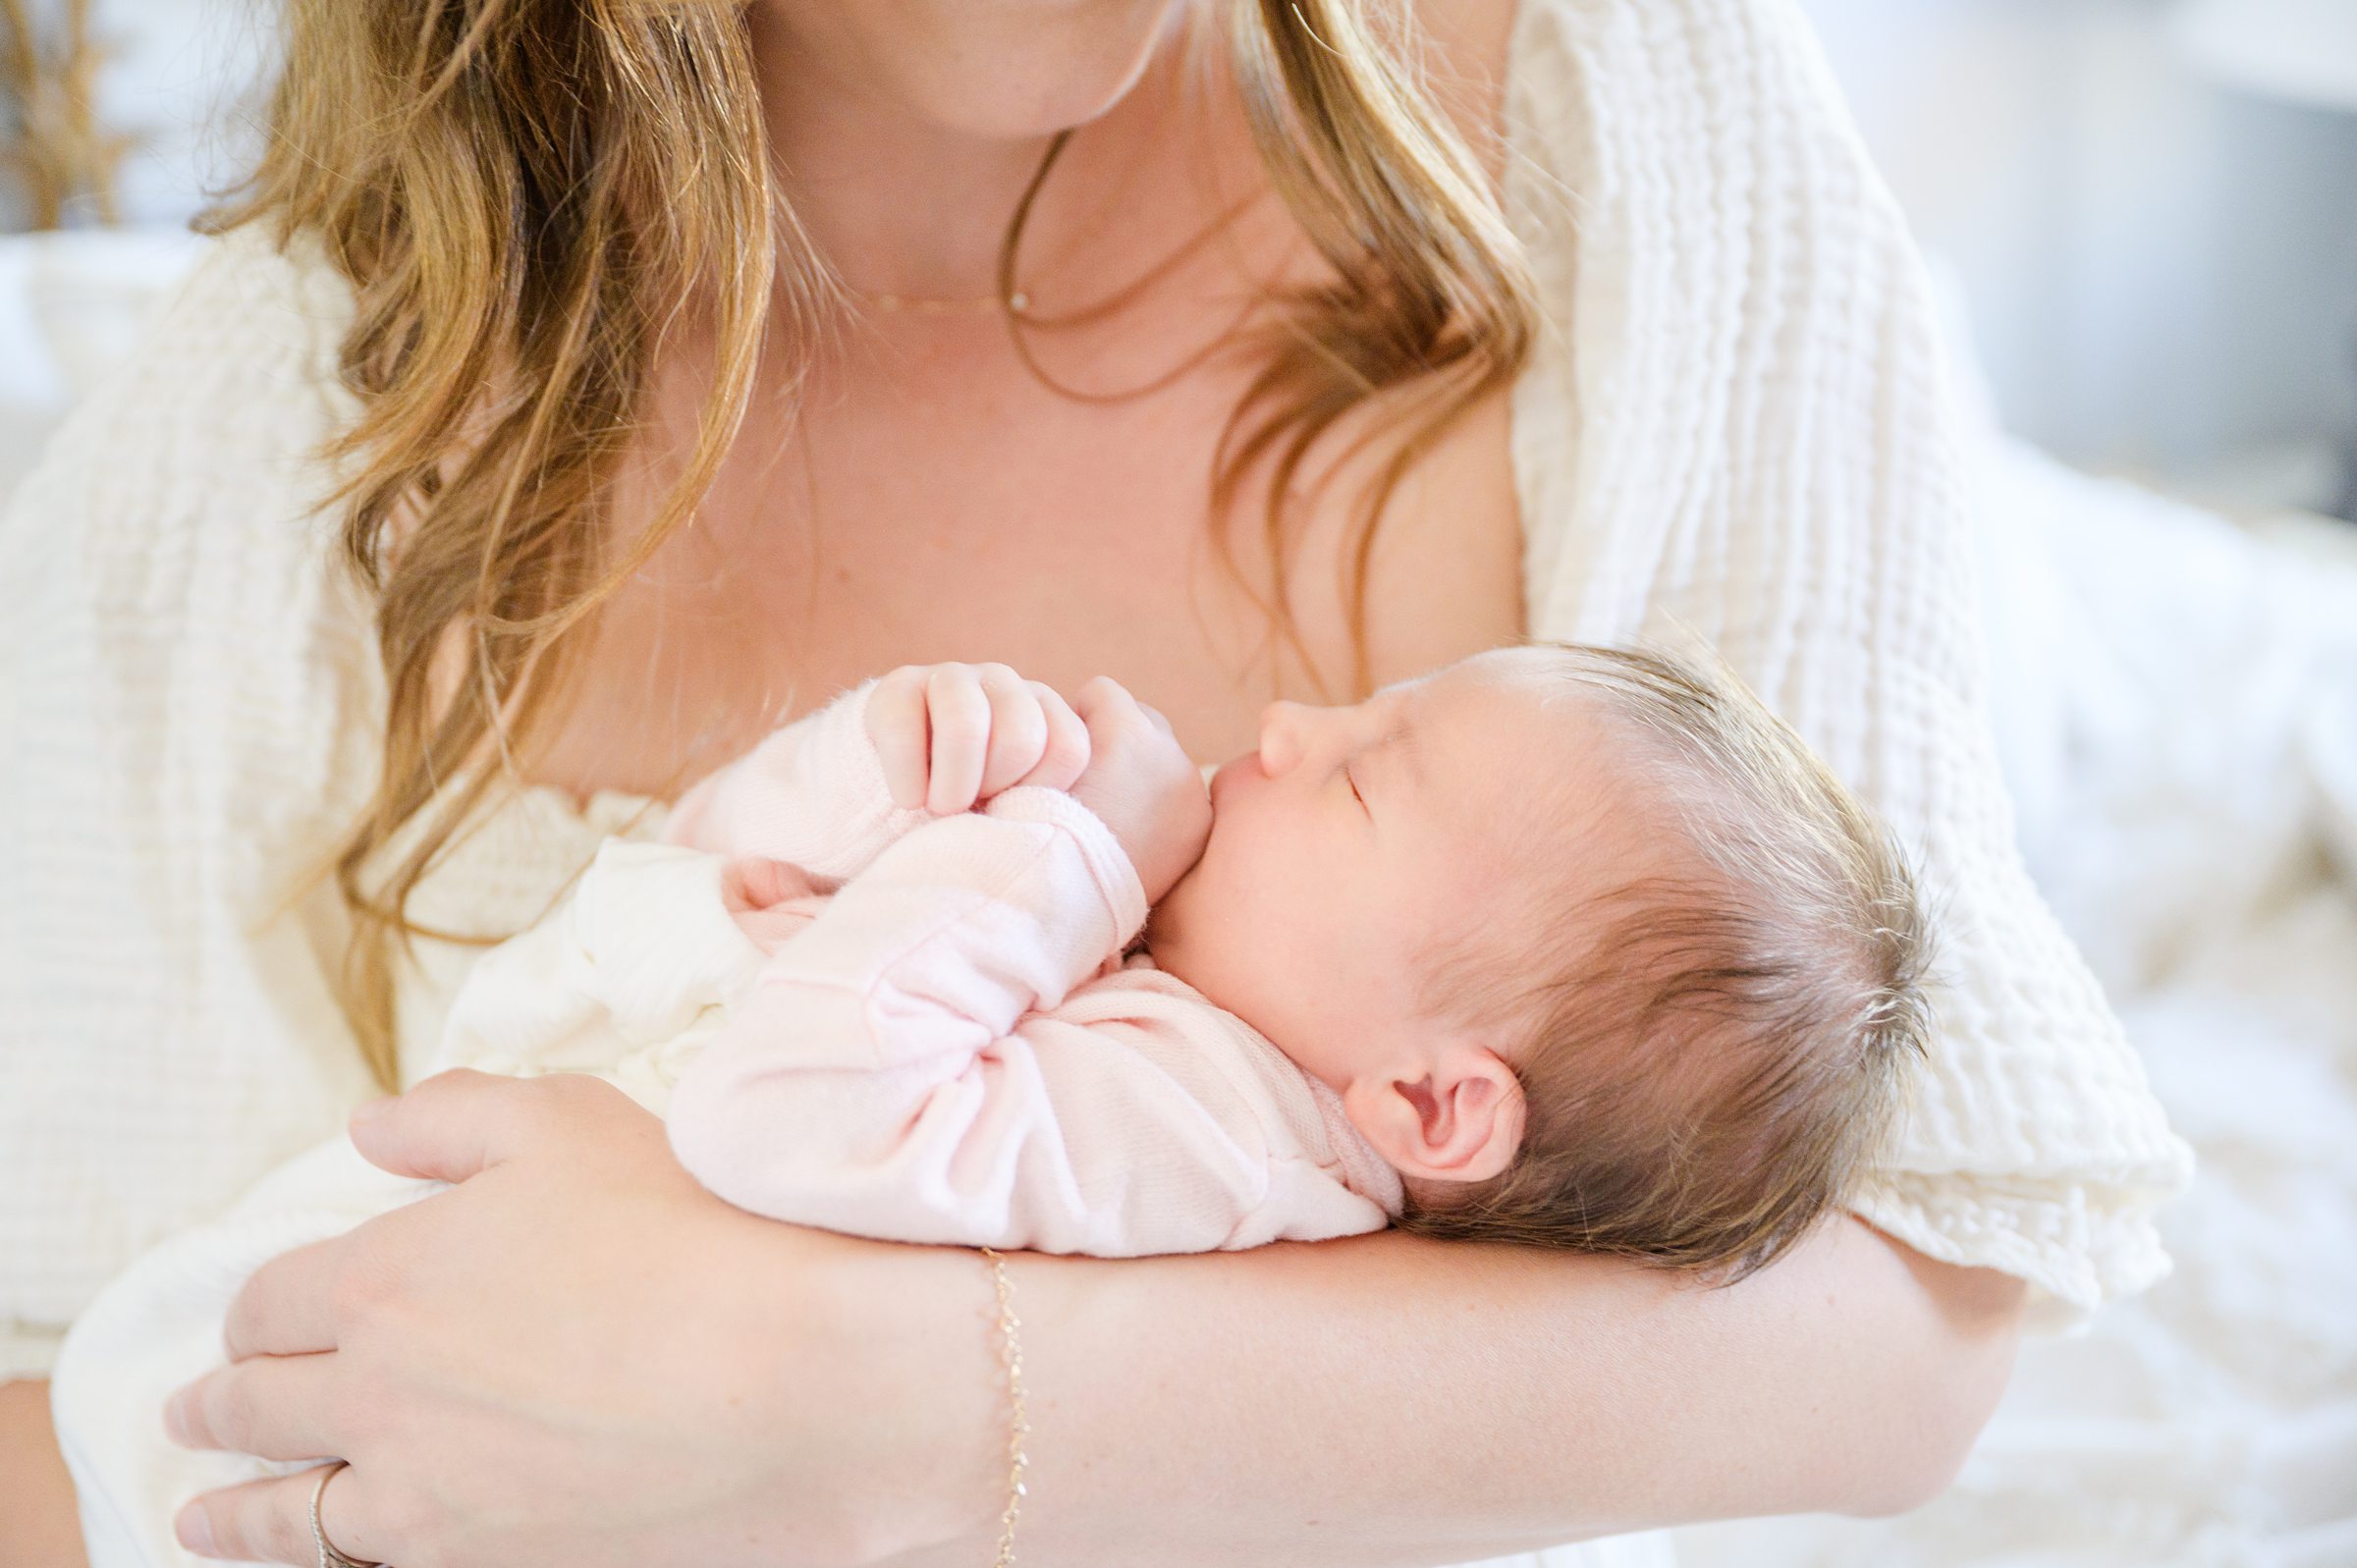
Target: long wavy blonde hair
<point>524,194</point>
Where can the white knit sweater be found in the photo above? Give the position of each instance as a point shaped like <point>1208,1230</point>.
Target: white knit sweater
<point>1735,424</point>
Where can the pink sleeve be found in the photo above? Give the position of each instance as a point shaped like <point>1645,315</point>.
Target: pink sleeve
<point>901,1069</point>
<point>811,794</point>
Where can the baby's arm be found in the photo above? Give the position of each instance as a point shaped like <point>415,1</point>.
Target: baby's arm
<point>908,1068</point>
<point>829,791</point>
<point>812,794</point>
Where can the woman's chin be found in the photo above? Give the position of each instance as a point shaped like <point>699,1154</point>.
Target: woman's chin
<point>1045,66</point>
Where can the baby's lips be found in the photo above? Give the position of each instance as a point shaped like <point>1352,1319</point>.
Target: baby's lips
<point>1222,775</point>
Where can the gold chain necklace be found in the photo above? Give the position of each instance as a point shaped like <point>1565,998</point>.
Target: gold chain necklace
<point>1015,301</point>
<point>1016,324</point>
<point>1010,298</point>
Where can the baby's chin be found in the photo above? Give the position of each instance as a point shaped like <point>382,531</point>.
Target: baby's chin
<point>1167,920</point>
<point>1174,915</point>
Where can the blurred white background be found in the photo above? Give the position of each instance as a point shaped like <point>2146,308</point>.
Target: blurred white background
<point>2159,250</point>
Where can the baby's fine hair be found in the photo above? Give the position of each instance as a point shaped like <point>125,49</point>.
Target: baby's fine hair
<point>1713,1049</point>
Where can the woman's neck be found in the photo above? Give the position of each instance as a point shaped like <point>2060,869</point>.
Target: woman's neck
<point>906,202</point>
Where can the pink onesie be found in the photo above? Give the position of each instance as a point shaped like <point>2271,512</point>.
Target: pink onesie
<point>945,1042</point>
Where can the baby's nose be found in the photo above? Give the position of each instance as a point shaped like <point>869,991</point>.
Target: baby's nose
<point>1280,736</point>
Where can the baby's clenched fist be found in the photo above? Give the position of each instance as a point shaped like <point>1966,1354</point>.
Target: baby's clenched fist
<point>950,736</point>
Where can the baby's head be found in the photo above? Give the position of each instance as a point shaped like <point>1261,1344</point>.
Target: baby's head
<point>1595,950</point>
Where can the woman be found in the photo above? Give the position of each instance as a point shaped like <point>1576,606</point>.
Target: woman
<point>1653,352</point>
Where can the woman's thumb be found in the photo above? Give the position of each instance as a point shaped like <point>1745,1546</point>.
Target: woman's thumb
<point>452,1126</point>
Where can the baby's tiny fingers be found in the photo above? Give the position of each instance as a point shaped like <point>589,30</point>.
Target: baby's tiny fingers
<point>1063,758</point>
<point>1018,729</point>
<point>960,712</point>
<point>1099,697</point>
<point>898,729</point>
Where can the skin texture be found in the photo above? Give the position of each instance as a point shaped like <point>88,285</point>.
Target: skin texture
<point>936,502</point>
<point>817,1399</point>
<point>37,1527</point>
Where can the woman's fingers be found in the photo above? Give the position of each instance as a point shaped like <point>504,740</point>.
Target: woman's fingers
<point>286,1306</point>
<point>276,1407</point>
<point>1018,729</point>
<point>959,711</point>
<point>271,1521</point>
<point>897,729</point>
<point>1064,754</point>
<point>461,1123</point>
<point>439,1129</point>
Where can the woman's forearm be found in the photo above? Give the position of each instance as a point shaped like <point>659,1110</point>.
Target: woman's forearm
<point>1392,1400</point>
<point>38,1527</point>
<point>578,1356</point>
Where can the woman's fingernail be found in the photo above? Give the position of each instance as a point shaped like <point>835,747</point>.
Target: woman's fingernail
<point>366,1115</point>
<point>176,1420</point>
<point>195,1531</point>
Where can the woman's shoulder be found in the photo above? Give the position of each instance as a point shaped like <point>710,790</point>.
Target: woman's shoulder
<point>208,431</point>
<point>1702,222</point>
<point>191,698</point>
<point>243,354</point>
<point>1640,132</point>
<point>257,288</point>
<point>202,447</point>
<point>176,596</point>
<point>1668,51</point>
<point>1738,428</point>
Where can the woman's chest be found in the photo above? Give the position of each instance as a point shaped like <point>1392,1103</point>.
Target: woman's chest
<point>913,517</point>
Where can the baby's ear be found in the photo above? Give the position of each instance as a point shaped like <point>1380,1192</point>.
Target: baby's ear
<point>1459,1118</point>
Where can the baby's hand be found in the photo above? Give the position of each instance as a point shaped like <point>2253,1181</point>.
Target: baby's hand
<point>1143,784</point>
<point>952,734</point>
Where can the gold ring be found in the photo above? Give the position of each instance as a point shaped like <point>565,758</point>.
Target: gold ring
<point>329,1556</point>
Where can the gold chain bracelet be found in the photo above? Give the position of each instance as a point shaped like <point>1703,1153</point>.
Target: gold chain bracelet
<point>1019,1426</point>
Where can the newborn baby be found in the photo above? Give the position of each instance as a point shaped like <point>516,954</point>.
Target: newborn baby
<point>1557,944</point>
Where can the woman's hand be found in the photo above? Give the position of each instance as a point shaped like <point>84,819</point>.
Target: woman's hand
<point>579,1356</point>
